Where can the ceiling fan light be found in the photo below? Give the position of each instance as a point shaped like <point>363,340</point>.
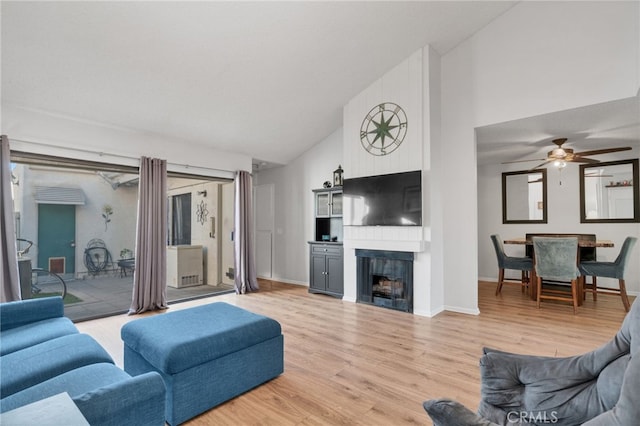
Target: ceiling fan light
<point>559,153</point>
<point>561,164</point>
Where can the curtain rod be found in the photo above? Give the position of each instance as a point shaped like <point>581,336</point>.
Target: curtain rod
<point>102,154</point>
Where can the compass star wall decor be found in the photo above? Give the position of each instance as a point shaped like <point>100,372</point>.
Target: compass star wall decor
<point>383,129</point>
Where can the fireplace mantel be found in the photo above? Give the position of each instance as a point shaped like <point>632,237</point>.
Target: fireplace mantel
<point>412,246</point>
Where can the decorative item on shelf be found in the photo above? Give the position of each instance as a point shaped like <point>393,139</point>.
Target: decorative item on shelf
<point>203,193</point>
<point>326,184</point>
<point>337,176</point>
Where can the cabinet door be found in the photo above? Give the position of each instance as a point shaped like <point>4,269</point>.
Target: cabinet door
<point>322,204</point>
<point>318,272</point>
<point>336,204</point>
<point>335,277</point>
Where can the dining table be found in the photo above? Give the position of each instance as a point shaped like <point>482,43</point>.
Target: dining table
<point>533,290</point>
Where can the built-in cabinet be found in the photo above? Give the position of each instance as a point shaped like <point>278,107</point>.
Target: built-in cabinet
<point>328,214</point>
<point>326,273</point>
<point>326,268</point>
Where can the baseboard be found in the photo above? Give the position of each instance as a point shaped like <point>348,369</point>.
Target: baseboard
<point>428,313</point>
<point>286,281</point>
<point>475,311</point>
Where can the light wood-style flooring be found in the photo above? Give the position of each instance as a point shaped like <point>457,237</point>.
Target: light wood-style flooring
<point>354,364</point>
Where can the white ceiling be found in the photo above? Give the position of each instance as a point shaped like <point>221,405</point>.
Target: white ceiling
<point>605,125</point>
<point>266,79</point>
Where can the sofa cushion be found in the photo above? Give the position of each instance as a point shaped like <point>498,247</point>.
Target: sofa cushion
<point>75,382</point>
<point>22,312</point>
<point>176,341</point>
<point>17,338</point>
<point>35,364</point>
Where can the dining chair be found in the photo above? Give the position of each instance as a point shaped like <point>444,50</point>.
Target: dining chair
<point>586,253</point>
<point>522,264</point>
<point>613,269</point>
<point>556,260</point>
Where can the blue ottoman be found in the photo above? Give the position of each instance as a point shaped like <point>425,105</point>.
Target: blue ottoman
<point>206,355</point>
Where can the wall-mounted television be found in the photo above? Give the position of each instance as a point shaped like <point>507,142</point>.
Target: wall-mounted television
<point>383,200</point>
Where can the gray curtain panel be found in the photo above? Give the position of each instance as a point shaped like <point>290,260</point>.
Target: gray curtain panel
<point>8,253</point>
<point>245,265</point>
<point>150,276</point>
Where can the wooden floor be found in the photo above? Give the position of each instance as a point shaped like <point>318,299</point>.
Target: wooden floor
<point>353,364</point>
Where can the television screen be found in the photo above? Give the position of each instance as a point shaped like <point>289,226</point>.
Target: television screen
<point>383,200</point>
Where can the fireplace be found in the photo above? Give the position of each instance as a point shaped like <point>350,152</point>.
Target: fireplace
<point>385,278</point>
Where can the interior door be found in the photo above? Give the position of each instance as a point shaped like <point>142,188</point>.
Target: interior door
<point>56,238</point>
<point>264,220</point>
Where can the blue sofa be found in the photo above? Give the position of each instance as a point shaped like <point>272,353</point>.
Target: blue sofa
<point>43,354</point>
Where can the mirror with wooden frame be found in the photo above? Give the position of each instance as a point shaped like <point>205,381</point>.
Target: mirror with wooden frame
<point>609,192</point>
<point>524,196</point>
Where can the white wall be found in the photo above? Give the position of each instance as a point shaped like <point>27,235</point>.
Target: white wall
<point>405,86</point>
<point>538,57</point>
<point>73,138</point>
<point>294,220</point>
<point>541,57</point>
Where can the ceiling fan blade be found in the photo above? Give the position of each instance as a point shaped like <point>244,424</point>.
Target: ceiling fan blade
<point>523,161</point>
<point>578,159</point>
<point>540,165</point>
<point>602,151</point>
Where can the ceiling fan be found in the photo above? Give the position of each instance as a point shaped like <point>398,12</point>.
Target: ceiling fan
<point>561,156</point>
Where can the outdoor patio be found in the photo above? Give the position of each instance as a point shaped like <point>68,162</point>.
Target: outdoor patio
<point>109,294</point>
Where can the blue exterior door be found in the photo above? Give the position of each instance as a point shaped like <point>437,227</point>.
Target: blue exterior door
<point>56,237</point>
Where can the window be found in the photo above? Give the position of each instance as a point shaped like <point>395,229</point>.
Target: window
<point>180,219</point>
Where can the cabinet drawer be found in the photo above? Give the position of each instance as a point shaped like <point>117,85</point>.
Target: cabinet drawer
<point>326,249</point>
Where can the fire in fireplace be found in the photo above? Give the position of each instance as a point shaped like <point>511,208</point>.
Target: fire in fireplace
<point>385,278</point>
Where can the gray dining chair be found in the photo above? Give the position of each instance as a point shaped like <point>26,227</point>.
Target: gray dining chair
<point>556,260</point>
<point>522,264</point>
<point>613,269</point>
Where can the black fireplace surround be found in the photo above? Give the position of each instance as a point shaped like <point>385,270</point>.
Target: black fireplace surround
<point>385,278</point>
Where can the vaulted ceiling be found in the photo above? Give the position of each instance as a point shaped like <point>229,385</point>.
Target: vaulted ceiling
<point>266,79</point>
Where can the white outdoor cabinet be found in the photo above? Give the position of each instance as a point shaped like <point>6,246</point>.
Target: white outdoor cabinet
<point>184,266</point>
